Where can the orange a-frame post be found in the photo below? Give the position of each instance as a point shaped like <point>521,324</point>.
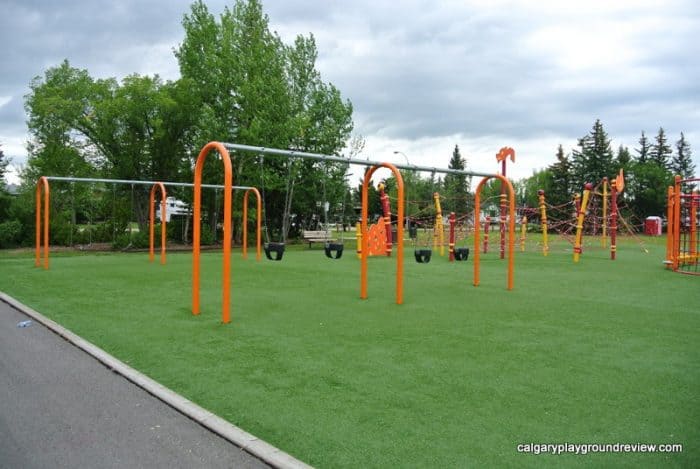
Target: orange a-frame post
<point>163,222</point>
<point>42,183</point>
<point>258,253</point>
<point>228,183</point>
<point>511,230</point>
<point>399,231</point>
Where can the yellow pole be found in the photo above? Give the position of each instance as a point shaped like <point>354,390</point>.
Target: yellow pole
<point>438,232</point>
<point>579,220</point>
<point>523,230</point>
<point>358,231</point>
<point>604,240</point>
<point>543,220</point>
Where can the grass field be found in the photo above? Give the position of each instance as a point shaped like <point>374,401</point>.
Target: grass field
<point>458,376</point>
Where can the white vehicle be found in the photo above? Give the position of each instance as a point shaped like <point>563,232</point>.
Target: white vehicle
<point>173,206</point>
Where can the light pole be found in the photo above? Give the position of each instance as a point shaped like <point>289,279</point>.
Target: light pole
<point>408,206</point>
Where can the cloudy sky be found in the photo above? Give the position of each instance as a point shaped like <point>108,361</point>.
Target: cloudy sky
<point>423,76</point>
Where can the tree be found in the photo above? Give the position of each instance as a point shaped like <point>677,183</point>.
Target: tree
<point>594,160</point>
<point>682,162</point>
<point>255,90</point>
<point>4,197</point>
<point>644,149</point>
<point>648,189</point>
<point>456,186</point>
<point>623,160</point>
<point>561,186</point>
<point>134,130</point>
<point>649,176</point>
<point>660,151</point>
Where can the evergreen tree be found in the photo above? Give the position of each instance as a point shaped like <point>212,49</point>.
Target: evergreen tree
<point>560,191</point>
<point>4,199</point>
<point>644,149</point>
<point>660,150</point>
<point>3,168</point>
<point>594,160</point>
<point>682,162</point>
<point>623,160</point>
<point>456,186</point>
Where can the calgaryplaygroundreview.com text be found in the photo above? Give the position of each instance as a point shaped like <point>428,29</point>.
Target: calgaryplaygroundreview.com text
<point>588,448</point>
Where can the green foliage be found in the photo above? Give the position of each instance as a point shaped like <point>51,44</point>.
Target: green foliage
<point>593,160</point>
<point>456,187</point>
<point>648,189</point>
<point>540,180</point>
<point>682,162</point>
<point>10,233</point>
<point>561,184</point>
<point>644,150</point>
<point>3,167</point>
<point>661,151</point>
<point>253,89</point>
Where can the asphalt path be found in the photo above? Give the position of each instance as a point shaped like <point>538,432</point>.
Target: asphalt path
<point>61,408</point>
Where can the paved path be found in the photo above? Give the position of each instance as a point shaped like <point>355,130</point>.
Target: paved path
<point>60,408</point>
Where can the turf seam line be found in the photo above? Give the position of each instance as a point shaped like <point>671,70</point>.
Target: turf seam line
<point>239,437</point>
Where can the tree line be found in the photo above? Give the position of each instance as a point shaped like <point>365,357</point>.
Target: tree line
<point>648,169</point>
<point>240,83</point>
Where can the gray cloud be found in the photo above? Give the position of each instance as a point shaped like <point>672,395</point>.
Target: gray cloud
<point>414,70</point>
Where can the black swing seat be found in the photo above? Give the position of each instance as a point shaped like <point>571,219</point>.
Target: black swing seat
<point>423,255</point>
<point>461,254</point>
<point>274,251</point>
<point>333,250</point>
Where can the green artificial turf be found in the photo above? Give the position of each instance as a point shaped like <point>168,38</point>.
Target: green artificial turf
<point>457,376</point>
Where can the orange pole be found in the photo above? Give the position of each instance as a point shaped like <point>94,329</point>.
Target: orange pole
<point>42,183</point>
<point>163,222</point>
<point>228,183</point>
<point>543,221</point>
<point>511,231</point>
<point>670,227</point>
<point>676,221</point>
<point>244,250</point>
<point>399,231</point>
<point>258,231</point>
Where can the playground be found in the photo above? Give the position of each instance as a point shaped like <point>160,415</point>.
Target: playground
<point>457,375</point>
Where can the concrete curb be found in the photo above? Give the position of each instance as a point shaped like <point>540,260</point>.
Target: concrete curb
<point>250,443</point>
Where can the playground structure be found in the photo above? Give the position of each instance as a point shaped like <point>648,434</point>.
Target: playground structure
<point>682,241</point>
<point>587,217</point>
<point>43,188</point>
<point>222,149</point>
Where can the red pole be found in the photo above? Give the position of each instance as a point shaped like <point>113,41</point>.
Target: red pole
<point>503,211</point>
<point>487,223</point>
<point>577,202</point>
<point>387,218</point>
<point>453,221</point>
<point>613,219</point>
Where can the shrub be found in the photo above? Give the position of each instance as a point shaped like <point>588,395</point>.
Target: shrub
<point>10,233</point>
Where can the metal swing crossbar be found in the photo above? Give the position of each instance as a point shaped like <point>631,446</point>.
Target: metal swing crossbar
<point>223,149</point>
<point>43,185</point>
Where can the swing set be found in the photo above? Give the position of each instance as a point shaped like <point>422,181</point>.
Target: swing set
<point>373,166</point>
<point>43,188</point>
